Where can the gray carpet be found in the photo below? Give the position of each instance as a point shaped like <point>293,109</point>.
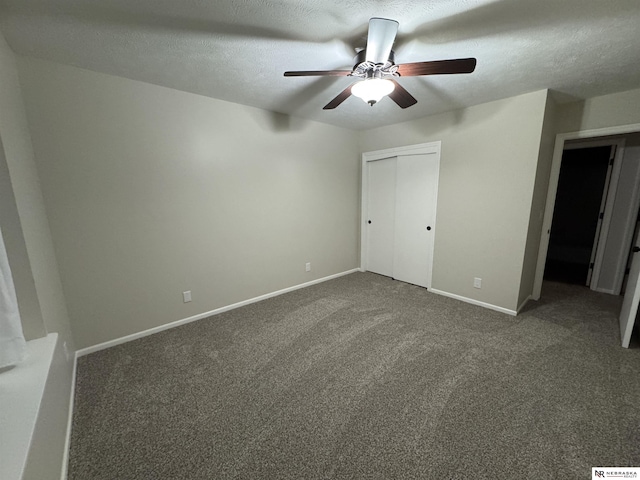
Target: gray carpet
<point>366,377</point>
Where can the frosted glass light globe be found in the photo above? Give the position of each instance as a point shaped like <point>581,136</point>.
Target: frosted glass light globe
<point>372,90</point>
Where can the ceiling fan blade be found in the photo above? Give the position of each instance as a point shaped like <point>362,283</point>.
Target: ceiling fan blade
<point>437,67</point>
<point>403,98</point>
<point>341,97</point>
<point>382,33</point>
<point>312,73</point>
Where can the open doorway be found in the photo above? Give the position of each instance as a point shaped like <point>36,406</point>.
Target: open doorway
<point>616,240</point>
<point>583,185</point>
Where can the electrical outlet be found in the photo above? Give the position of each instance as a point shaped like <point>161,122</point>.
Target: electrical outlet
<point>186,296</point>
<point>307,267</point>
<point>477,282</point>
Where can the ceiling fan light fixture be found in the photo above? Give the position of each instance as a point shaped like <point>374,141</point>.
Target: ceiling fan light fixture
<point>371,90</point>
<point>375,64</point>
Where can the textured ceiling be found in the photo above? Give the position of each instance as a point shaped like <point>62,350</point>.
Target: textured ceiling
<point>238,50</point>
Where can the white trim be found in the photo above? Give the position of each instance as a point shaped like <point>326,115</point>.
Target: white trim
<point>134,336</point>
<point>67,441</point>
<point>606,290</point>
<point>474,302</point>
<point>602,132</point>
<point>592,143</point>
<point>418,149</point>
<point>553,188</point>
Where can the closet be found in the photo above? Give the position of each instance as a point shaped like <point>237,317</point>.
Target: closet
<point>399,213</point>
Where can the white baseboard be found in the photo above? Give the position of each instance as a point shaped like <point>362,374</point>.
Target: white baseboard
<point>184,321</point>
<point>605,290</point>
<point>474,302</point>
<point>67,442</point>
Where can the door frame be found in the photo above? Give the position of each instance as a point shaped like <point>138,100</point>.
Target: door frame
<point>558,150</point>
<point>418,149</point>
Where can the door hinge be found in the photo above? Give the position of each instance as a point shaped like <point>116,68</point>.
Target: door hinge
<point>591,265</point>
<point>601,216</point>
<point>627,270</point>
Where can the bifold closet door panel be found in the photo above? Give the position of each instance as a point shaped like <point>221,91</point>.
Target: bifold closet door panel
<point>381,213</point>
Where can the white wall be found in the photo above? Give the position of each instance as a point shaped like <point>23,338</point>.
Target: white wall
<point>15,141</point>
<point>600,112</point>
<point>151,192</point>
<point>19,155</point>
<point>32,258</point>
<point>487,175</point>
<point>538,203</point>
<point>28,304</point>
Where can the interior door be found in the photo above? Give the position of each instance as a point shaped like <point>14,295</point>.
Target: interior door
<point>603,204</point>
<point>381,213</point>
<point>416,183</point>
<point>631,297</point>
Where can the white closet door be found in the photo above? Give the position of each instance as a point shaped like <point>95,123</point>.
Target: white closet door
<point>415,211</point>
<point>381,213</point>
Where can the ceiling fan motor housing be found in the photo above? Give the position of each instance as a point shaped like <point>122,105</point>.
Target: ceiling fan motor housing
<point>362,67</point>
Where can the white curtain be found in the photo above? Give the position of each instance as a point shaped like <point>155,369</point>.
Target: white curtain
<point>12,343</point>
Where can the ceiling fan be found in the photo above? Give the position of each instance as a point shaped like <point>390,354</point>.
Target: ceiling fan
<point>376,69</point>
